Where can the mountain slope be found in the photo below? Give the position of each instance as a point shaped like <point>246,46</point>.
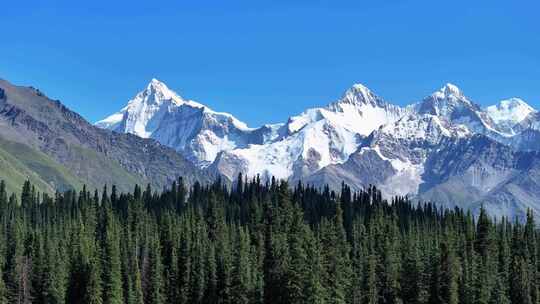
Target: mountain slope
<point>478,170</point>
<point>189,127</point>
<point>446,151</point>
<point>509,113</point>
<point>94,155</point>
<point>314,139</point>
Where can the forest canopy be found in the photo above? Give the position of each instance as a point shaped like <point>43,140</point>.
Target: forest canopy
<point>257,243</point>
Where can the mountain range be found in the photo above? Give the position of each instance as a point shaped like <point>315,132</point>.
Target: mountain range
<point>443,148</point>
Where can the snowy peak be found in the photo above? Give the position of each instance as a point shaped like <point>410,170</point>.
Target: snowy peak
<point>189,127</point>
<point>509,111</point>
<point>157,86</point>
<point>425,127</point>
<point>445,102</point>
<point>142,113</point>
<point>447,91</point>
<point>450,95</point>
<point>360,95</point>
<point>156,92</point>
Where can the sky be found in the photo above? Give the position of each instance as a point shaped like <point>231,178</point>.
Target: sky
<point>264,61</point>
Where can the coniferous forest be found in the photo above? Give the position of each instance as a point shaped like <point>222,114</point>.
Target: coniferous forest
<point>257,243</point>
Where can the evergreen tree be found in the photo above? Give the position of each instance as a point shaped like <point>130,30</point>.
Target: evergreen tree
<point>447,276</point>
<point>241,280</point>
<point>155,292</point>
<point>3,194</point>
<point>520,291</point>
<point>112,275</point>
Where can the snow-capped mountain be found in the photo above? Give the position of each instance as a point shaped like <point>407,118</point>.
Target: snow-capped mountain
<point>443,147</point>
<point>143,114</point>
<point>314,139</point>
<point>185,125</point>
<point>531,121</point>
<point>305,143</point>
<point>399,151</point>
<point>509,113</point>
<point>446,150</point>
<point>527,137</point>
<point>450,104</point>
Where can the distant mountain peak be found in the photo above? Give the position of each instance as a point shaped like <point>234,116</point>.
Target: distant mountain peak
<point>444,101</point>
<point>450,88</point>
<point>156,92</point>
<point>361,88</point>
<point>514,102</point>
<point>447,91</point>
<point>509,112</point>
<point>157,86</point>
<point>359,94</point>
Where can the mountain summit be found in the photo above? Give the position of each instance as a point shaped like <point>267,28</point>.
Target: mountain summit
<point>185,125</point>
<point>509,112</point>
<point>360,95</point>
<point>142,113</point>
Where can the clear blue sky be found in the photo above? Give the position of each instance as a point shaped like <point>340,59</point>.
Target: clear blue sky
<point>264,61</point>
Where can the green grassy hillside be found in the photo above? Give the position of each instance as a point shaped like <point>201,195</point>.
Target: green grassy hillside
<point>88,164</point>
<point>19,162</point>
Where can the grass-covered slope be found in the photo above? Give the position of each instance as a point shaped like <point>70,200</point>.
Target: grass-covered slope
<point>19,162</point>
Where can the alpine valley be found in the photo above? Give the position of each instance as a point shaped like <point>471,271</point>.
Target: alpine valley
<point>444,148</point>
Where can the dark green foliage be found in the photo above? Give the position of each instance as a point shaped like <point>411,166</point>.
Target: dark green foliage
<point>257,244</point>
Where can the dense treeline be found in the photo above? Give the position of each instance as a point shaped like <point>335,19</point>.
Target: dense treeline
<point>258,243</point>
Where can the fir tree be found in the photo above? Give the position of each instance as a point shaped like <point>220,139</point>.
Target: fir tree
<point>447,276</point>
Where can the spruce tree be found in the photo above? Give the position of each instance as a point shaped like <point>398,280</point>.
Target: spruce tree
<point>241,279</point>
<point>447,276</point>
<point>112,275</point>
<point>3,194</point>
<point>155,292</point>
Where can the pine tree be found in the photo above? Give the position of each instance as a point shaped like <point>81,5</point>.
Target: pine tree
<point>337,260</point>
<point>155,293</point>
<point>520,291</point>
<point>447,276</point>
<point>18,264</point>
<point>390,289</point>
<point>26,194</point>
<point>530,239</point>
<point>112,275</point>
<point>55,275</point>
<point>3,194</point>
<point>371,291</point>
<point>94,291</point>
<point>297,273</point>
<point>241,280</point>
<point>315,291</point>
<point>184,268</point>
<point>211,293</point>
